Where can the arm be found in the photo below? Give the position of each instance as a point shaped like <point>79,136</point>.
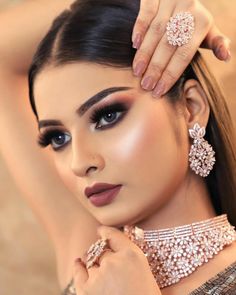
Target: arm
<point>32,169</point>
<point>22,28</point>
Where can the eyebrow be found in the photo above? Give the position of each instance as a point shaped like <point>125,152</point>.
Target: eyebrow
<point>85,106</point>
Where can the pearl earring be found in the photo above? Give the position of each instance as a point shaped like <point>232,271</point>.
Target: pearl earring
<point>201,155</point>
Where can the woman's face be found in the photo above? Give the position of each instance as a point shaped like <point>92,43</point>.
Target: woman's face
<point>137,141</point>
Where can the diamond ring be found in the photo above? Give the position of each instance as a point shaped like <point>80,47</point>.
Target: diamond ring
<point>96,251</point>
<point>180,29</point>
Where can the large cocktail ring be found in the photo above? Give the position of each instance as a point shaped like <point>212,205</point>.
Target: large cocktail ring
<point>180,29</point>
<point>96,251</point>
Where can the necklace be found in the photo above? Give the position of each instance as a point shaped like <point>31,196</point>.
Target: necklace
<point>174,253</point>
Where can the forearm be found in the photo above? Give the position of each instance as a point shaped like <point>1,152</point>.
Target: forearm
<point>22,27</point>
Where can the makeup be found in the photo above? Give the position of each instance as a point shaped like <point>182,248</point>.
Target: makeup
<point>105,197</point>
<point>110,113</point>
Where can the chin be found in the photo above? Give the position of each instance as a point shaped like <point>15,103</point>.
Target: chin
<point>118,220</point>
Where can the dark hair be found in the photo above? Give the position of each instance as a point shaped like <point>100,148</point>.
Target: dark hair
<point>99,31</point>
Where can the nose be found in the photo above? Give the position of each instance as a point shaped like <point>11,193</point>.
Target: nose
<point>86,159</point>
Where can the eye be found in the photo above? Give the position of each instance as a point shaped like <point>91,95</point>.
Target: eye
<point>57,139</point>
<point>108,115</point>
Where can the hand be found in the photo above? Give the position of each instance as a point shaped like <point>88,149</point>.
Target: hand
<point>156,58</point>
<point>124,270</point>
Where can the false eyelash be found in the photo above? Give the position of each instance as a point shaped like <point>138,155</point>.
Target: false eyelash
<point>45,138</point>
<point>103,110</point>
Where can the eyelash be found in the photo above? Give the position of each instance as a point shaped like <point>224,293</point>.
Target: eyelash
<point>47,136</point>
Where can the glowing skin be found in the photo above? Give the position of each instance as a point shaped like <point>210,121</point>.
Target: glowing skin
<point>143,151</point>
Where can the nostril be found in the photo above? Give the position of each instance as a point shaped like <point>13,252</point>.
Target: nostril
<point>91,168</point>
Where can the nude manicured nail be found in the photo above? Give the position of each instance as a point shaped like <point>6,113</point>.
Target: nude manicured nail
<point>139,68</point>
<point>159,89</point>
<point>229,56</point>
<point>223,53</point>
<point>137,41</point>
<point>148,83</point>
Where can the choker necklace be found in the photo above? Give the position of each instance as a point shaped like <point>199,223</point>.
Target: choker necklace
<point>174,253</point>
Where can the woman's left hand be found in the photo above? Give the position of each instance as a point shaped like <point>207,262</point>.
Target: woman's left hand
<point>124,270</point>
<point>160,64</point>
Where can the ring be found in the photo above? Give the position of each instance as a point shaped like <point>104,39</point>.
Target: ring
<point>95,251</point>
<point>180,29</point>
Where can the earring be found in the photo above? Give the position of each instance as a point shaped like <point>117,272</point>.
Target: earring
<point>201,154</point>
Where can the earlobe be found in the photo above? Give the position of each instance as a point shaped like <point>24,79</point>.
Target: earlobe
<point>196,105</point>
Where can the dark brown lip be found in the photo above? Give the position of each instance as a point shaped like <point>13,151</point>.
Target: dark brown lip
<point>98,188</point>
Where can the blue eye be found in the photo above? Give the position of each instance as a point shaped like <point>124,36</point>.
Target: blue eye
<point>108,115</point>
<point>104,117</point>
<point>108,119</point>
<point>54,137</point>
<point>59,140</point>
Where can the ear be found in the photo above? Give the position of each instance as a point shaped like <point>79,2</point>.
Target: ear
<point>196,106</point>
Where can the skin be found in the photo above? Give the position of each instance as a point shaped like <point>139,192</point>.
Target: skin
<point>50,200</point>
<point>131,157</point>
<point>159,64</point>
<point>157,182</point>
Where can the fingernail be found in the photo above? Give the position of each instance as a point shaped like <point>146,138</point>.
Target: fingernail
<point>148,83</point>
<point>229,56</point>
<point>139,68</point>
<point>223,53</point>
<point>137,41</point>
<point>159,89</point>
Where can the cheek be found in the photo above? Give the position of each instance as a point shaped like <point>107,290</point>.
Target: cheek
<point>145,138</point>
<point>65,173</point>
<point>147,154</point>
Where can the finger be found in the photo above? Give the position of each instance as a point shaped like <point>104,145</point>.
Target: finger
<point>174,70</point>
<point>182,56</point>
<point>152,38</point>
<point>157,64</point>
<point>117,239</point>
<point>105,255</point>
<point>93,258</point>
<point>146,13</point>
<point>219,43</point>
<point>80,274</point>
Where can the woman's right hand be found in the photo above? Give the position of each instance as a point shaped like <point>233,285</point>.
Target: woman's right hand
<point>160,64</point>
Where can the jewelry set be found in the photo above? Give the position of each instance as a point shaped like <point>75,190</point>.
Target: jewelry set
<point>179,30</point>
<point>175,253</point>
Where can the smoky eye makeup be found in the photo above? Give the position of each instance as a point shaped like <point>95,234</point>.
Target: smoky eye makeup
<point>110,114</point>
<point>104,116</point>
<point>52,137</point>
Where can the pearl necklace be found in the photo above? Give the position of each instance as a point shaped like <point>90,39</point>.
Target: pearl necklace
<point>174,253</point>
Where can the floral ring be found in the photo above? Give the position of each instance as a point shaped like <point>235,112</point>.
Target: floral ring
<point>95,251</point>
<point>180,29</point>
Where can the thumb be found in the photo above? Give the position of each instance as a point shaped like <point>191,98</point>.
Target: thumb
<point>80,275</point>
<point>117,239</point>
<point>219,43</point>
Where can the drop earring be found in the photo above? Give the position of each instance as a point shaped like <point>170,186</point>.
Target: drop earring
<point>201,155</point>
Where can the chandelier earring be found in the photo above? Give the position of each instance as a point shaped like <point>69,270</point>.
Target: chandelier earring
<point>201,155</point>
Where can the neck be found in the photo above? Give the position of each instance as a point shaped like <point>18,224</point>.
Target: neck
<point>189,203</point>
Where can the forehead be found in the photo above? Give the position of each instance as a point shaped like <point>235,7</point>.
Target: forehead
<point>70,85</point>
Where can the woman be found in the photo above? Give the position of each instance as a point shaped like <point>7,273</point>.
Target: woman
<point>195,99</point>
<point>107,129</point>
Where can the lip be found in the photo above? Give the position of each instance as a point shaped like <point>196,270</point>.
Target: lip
<point>99,188</point>
<point>105,197</point>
